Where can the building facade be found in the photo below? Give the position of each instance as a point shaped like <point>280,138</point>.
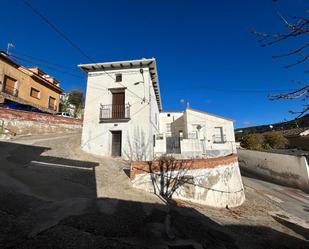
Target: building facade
<point>195,134</point>
<point>123,117</point>
<point>122,106</point>
<point>28,86</point>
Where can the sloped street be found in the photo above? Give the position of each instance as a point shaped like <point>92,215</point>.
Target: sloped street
<point>53,195</point>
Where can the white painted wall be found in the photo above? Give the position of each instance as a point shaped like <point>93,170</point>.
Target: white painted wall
<point>198,142</point>
<point>285,169</point>
<point>216,187</point>
<point>137,134</point>
<point>167,118</point>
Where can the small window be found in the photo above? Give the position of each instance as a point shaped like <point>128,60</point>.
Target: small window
<point>154,140</point>
<point>168,114</point>
<point>118,77</point>
<point>34,93</point>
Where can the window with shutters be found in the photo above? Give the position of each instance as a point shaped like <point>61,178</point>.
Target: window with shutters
<point>34,93</point>
<point>52,103</point>
<point>10,85</point>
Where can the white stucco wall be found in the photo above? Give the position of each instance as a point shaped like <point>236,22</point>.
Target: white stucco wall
<point>137,134</point>
<point>197,143</point>
<point>205,134</point>
<point>167,118</point>
<point>217,187</point>
<point>285,169</point>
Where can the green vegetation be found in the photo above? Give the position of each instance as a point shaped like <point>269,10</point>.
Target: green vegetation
<point>266,141</point>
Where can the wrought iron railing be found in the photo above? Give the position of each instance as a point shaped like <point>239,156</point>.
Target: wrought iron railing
<point>110,112</point>
<point>219,139</point>
<point>10,90</point>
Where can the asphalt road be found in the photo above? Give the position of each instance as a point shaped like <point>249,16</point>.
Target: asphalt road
<point>291,200</point>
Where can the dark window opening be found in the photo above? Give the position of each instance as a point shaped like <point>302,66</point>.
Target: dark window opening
<point>168,115</point>
<point>118,77</point>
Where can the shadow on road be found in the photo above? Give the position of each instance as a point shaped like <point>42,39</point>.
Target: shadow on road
<point>106,222</point>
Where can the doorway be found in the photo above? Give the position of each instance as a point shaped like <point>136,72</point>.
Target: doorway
<point>116,143</point>
<point>118,109</point>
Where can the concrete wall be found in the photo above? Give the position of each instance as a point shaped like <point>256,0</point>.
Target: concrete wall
<point>24,84</point>
<point>284,169</point>
<point>137,133</point>
<point>22,122</point>
<point>214,182</point>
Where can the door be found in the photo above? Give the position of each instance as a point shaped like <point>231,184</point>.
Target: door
<point>173,145</point>
<point>118,105</point>
<point>116,143</point>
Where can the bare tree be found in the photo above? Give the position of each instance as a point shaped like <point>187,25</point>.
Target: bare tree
<point>168,174</point>
<point>296,27</point>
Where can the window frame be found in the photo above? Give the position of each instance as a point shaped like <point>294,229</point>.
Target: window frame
<point>55,103</point>
<point>38,91</point>
<point>118,77</point>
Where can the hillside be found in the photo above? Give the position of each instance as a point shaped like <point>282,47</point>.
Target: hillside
<point>302,122</point>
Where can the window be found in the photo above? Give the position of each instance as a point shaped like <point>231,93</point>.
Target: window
<point>34,93</point>
<point>168,114</point>
<point>154,140</point>
<point>118,77</point>
<point>219,136</point>
<point>10,85</point>
<point>52,103</point>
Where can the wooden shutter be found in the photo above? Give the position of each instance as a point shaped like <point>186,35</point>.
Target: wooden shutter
<point>9,84</point>
<point>118,108</point>
<point>34,93</point>
<point>51,104</point>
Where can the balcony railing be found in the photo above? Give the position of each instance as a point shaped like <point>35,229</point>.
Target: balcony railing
<point>10,90</point>
<point>115,112</point>
<point>219,139</point>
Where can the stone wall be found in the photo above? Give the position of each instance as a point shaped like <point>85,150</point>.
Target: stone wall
<point>214,182</point>
<point>23,123</point>
<point>284,169</point>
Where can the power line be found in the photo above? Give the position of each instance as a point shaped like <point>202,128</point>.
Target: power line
<point>234,90</point>
<point>47,66</point>
<point>66,38</point>
<point>44,61</point>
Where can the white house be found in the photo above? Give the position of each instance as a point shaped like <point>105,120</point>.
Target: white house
<point>195,133</point>
<point>123,117</point>
<point>122,107</point>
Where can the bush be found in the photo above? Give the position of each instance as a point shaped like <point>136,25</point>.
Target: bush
<point>266,141</point>
<point>274,140</point>
<point>252,141</point>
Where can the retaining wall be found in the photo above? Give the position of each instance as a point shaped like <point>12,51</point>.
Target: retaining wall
<point>284,169</point>
<point>23,122</point>
<point>214,182</point>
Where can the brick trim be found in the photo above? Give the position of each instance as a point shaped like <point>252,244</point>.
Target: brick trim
<point>143,167</point>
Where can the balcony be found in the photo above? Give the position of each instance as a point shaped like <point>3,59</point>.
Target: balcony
<point>219,139</point>
<point>115,113</point>
<point>10,90</point>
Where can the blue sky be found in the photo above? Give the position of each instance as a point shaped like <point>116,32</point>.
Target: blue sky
<point>205,51</point>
